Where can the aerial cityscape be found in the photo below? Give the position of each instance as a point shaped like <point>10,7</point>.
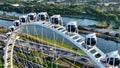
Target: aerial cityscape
<point>59,33</point>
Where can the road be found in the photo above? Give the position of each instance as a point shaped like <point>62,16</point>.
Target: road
<point>27,63</point>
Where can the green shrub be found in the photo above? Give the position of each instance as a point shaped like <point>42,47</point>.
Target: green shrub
<point>107,33</point>
<point>117,35</point>
<point>81,28</point>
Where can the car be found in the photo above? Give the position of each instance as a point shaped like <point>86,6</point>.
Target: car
<point>83,59</point>
<point>31,43</point>
<point>51,49</point>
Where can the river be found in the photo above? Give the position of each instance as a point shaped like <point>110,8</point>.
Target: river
<point>107,45</point>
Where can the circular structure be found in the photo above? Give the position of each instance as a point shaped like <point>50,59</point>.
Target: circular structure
<point>72,27</point>
<point>16,23</point>
<point>56,20</point>
<point>91,40</point>
<point>8,34</point>
<point>113,61</point>
<point>12,28</point>
<point>113,58</point>
<point>54,30</point>
<point>32,17</point>
<point>23,19</point>
<point>42,16</point>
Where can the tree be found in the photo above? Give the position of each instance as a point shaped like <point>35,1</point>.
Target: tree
<point>117,35</point>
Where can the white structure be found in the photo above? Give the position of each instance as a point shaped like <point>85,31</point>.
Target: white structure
<point>12,28</point>
<point>16,23</point>
<point>113,59</point>
<point>91,40</point>
<point>71,27</point>
<point>42,16</point>
<point>16,5</point>
<point>32,17</point>
<point>56,21</point>
<point>8,34</point>
<point>23,19</point>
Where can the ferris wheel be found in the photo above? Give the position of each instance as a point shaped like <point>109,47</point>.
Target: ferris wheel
<point>35,38</point>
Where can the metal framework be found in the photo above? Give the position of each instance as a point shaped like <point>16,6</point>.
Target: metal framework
<point>75,38</point>
<point>79,44</point>
<point>8,50</point>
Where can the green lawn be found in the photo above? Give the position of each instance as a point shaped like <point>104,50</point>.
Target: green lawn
<point>51,42</point>
<point>102,24</point>
<point>1,62</point>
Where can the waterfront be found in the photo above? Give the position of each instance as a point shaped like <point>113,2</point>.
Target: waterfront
<point>82,22</point>
<point>10,13</point>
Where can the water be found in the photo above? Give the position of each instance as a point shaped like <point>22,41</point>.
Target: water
<point>107,45</point>
<point>5,23</point>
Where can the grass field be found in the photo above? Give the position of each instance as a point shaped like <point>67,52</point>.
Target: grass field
<point>51,42</point>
